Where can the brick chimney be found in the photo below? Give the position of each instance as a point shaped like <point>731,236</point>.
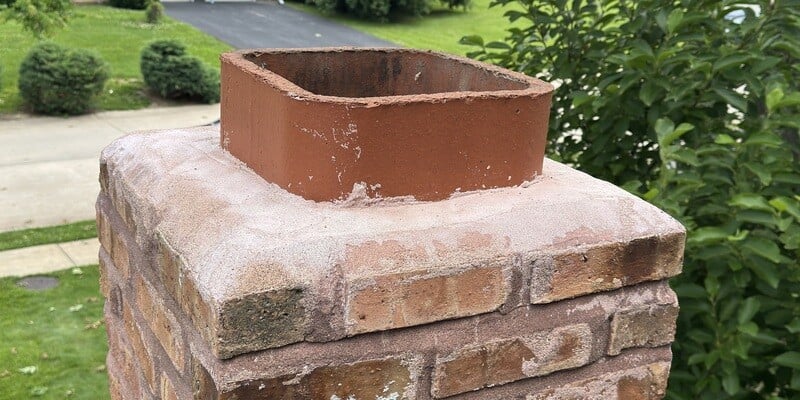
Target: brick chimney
<point>377,224</point>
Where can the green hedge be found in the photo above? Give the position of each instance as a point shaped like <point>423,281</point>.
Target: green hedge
<point>55,80</point>
<point>695,106</point>
<point>173,74</point>
<point>129,4</point>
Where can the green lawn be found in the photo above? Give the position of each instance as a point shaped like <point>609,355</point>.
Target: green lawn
<point>52,234</point>
<point>118,36</point>
<point>53,343</point>
<point>441,30</point>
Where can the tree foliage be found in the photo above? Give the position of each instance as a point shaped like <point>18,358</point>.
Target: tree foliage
<point>39,17</point>
<point>692,104</point>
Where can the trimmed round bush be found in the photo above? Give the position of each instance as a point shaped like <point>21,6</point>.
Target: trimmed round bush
<point>54,80</point>
<point>377,10</point>
<point>170,72</point>
<point>129,4</point>
<point>154,12</point>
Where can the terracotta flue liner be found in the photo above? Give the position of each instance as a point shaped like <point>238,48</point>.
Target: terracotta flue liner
<point>331,123</point>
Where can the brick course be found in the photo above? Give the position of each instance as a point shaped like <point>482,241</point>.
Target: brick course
<point>497,295</point>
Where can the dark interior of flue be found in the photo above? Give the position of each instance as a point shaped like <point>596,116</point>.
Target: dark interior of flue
<point>365,73</point>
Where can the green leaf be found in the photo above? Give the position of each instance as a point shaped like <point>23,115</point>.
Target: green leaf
<point>764,139</point>
<point>691,290</point>
<point>730,383</point>
<point>773,98</point>
<point>764,248</point>
<point>765,271</point>
<point>697,358</point>
<point>763,173</point>
<point>724,139</point>
<point>707,234</point>
<point>472,40</point>
<point>732,98</point>
<point>789,359</point>
<point>794,326</point>
<point>674,20</point>
<point>663,127</point>
<point>731,60</point>
<point>787,205</point>
<point>581,98</point>
<point>675,134</point>
<point>649,92</point>
<point>790,100</point>
<point>749,328</point>
<point>748,309</point>
<point>498,45</point>
<point>750,201</point>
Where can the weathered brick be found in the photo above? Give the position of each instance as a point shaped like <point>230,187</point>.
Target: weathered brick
<point>648,326</point>
<point>162,322</point>
<point>203,386</point>
<point>407,299</point>
<point>124,210</point>
<point>261,320</point>
<point>647,382</point>
<point>105,264</point>
<point>120,360</point>
<point>605,267</point>
<point>103,177</point>
<point>167,388</point>
<point>509,360</point>
<point>103,225</point>
<point>198,310</point>
<point>388,378</point>
<point>120,254</point>
<point>169,267</point>
<point>146,360</point>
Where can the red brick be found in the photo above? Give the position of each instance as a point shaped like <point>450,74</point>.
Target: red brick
<point>120,361</point>
<point>103,225</point>
<point>260,321</point>
<point>169,267</point>
<point>146,359</point>
<point>162,322</point>
<point>388,378</point>
<point>649,326</point>
<point>578,272</point>
<point>407,299</point>
<point>647,382</point>
<point>120,254</point>
<point>167,388</point>
<point>509,360</point>
<point>103,177</point>
<point>203,386</point>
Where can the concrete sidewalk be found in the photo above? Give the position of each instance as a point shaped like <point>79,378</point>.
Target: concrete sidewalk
<point>48,258</point>
<point>49,166</point>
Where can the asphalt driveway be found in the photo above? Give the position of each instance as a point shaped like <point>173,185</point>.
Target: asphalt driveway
<point>267,24</point>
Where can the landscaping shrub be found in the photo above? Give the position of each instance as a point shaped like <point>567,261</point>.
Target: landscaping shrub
<point>173,74</point>
<point>55,80</point>
<point>154,12</point>
<point>129,4</point>
<point>456,3</point>
<point>695,106</point>
<point>378,10</point>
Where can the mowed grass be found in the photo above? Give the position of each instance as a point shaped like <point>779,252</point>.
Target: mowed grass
<point>53,342</point>
<point>118,36</point>
<point>52,234</point>
<point>440,30</point>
